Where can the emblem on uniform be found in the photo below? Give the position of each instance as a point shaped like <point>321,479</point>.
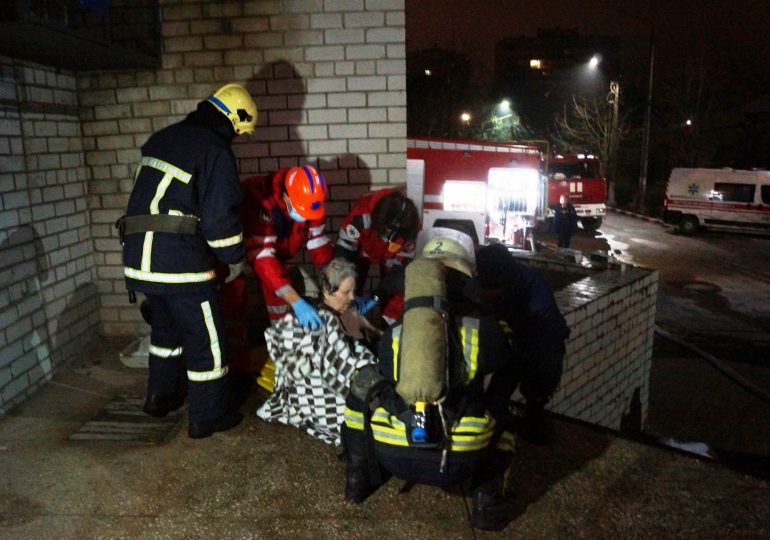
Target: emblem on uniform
<point>408,247</point>
<point>692,189</point>
<point>352,232</point>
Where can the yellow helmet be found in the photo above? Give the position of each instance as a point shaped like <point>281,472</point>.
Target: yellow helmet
<point>235,102</point>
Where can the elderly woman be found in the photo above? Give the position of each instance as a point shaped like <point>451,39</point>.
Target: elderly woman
<point>313,368</point>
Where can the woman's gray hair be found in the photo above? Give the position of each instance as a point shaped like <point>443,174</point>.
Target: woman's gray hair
<point>334,273</point>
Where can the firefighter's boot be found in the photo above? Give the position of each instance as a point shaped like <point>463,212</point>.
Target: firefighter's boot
<point>358,484</point>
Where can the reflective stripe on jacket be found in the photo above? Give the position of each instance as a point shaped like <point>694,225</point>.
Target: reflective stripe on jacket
<point>187,169</point>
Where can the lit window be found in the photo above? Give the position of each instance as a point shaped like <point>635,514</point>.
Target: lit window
<point>428,73</point>
<point>535,64</point>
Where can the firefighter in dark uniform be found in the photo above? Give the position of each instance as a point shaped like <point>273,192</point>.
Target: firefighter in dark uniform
<point>524,302</point>
<point>465,444</point>
<point>380,229</point>
<point>181,219</point>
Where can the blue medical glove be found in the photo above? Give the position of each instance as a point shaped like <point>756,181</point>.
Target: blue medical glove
<point>364,304</point>
<point>306,314</point>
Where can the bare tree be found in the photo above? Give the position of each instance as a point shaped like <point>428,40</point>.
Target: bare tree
<point>594,125</point>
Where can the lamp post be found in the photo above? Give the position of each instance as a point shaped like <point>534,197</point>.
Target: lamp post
<point>614,98</point>
<point>647,117</point>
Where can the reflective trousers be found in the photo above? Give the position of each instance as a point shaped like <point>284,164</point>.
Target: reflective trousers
<point>187,336</point>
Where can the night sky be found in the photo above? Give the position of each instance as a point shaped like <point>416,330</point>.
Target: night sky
<point>733,34</point>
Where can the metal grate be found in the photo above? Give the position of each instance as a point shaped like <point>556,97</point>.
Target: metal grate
<point>124,420</point>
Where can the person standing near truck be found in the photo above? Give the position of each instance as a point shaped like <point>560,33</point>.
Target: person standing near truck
<point>565,221</point>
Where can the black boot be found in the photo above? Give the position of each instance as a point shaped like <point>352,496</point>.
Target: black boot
<point>206,428</point>
<point>159,405</point>
<point>491,510</point>
<point>537,427</point>
<point>358,485</point>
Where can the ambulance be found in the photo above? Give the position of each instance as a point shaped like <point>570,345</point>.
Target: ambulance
<point>719,199</point>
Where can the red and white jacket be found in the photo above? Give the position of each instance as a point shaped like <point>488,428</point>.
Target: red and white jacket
<point>271,237</point>
<point>357,236</point>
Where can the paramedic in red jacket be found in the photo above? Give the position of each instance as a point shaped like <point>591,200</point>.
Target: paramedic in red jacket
<point>280,216</point>
<point>380,229</point>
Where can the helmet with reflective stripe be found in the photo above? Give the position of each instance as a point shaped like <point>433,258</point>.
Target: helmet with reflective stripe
<point>306,189</point>
<point>235,102</point>
<point>453,247</point>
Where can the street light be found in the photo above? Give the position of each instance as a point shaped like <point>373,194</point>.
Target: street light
<point>465,117</point>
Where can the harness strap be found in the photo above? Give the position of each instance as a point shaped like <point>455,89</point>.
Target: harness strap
<point>439,303</point>
<point>157,223</point>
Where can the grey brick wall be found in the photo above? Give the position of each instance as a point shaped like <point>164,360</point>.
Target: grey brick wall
<point>329,78</point>
<point>48,296</point>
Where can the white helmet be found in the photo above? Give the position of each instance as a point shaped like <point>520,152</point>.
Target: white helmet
<point>235,102</point>
<point>453,247</point>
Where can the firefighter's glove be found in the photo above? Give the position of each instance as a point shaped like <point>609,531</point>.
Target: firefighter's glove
<point>307,315</point>
<point>235,271</point>
<point>364,304</point>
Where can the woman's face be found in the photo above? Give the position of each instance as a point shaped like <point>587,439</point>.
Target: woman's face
<point>341,299</point>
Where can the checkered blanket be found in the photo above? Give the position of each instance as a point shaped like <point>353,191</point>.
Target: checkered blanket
<point>312,375</point>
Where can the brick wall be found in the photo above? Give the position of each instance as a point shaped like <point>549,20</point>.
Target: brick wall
<point>329,79</point>
<point>611,314</point>
<point>48,302</point>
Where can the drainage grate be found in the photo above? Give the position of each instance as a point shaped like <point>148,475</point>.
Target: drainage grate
<point>124,420</point>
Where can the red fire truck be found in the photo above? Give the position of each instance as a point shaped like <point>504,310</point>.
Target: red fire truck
<point>579,176</point>
<point>492,190</point>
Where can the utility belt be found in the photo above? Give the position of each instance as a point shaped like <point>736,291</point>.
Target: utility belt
<point>155,223</point>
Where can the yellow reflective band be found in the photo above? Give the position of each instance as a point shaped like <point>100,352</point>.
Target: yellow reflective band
<point>165,352</point>
<point>208,317</point>
<point>354,419</point>
<point>470,345</point>
<point>395,345</point>
<point>389,436</point>
<point>226,242</point>
<point>203,376</point>
<point>167,168</point>
<point>147,251</point>
<point>504,325</point>
<point>462,443</point>
<point>474,424</point>
<point>384,417</point>
<point>506,442</point>
<point>158,277</point>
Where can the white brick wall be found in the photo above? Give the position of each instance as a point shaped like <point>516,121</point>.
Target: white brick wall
<point>48,298</point>
<point>611,314</point>
<point>329,80</point>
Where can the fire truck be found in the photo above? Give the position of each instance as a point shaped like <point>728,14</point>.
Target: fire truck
<point>494,191</point>
<point>579,176</point>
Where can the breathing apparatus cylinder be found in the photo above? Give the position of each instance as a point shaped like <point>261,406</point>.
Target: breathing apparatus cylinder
<point>422,380</point>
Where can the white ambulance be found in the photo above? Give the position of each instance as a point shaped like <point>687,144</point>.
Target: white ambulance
<point>721,199</point>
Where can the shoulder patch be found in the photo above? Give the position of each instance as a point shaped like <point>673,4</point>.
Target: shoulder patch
<point>352,232</point>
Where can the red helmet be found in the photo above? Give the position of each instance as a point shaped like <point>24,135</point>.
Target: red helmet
<point>306,189</point>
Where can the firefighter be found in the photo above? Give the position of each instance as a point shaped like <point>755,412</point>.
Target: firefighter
<point>460,441</point>
<point>182,218</point>
<point>380,229</point>
<point>525,304</point>
<point>281,215</point>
